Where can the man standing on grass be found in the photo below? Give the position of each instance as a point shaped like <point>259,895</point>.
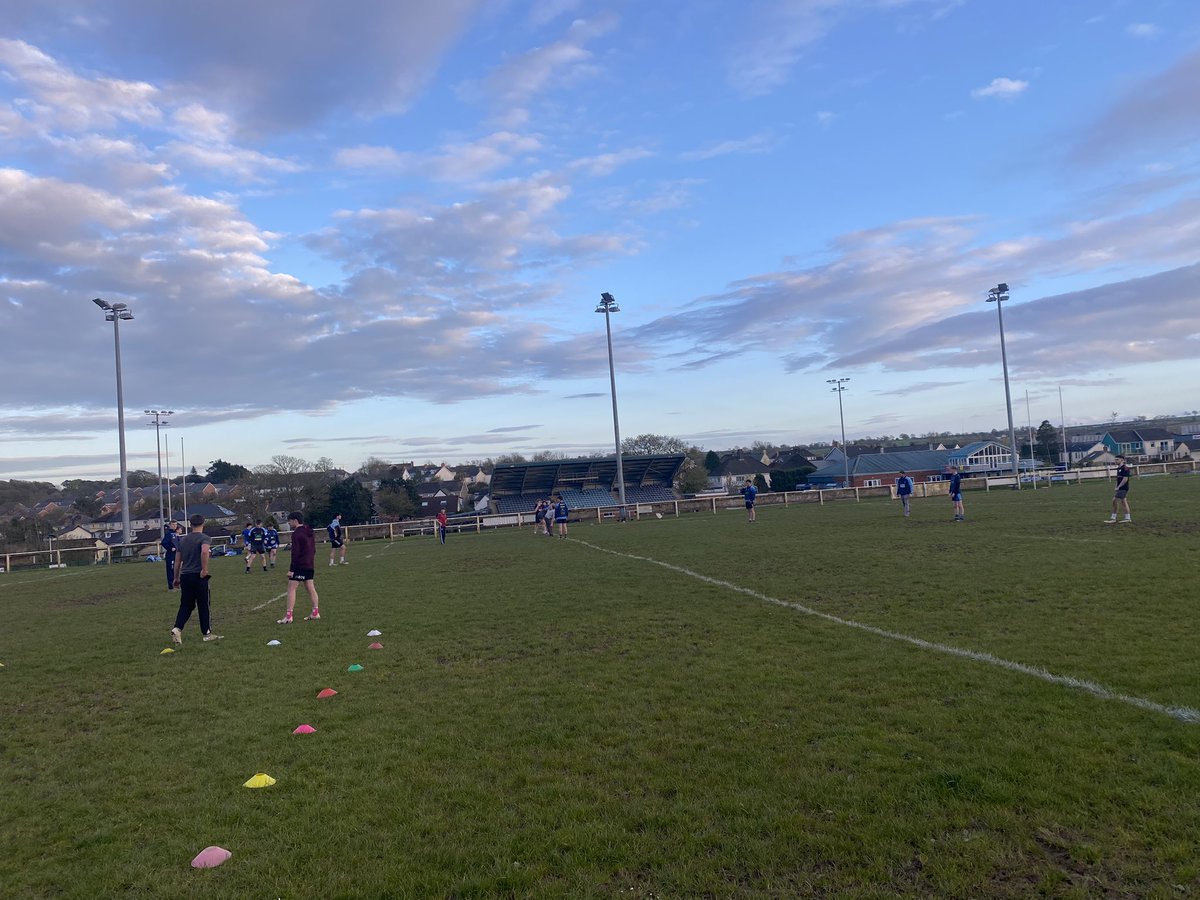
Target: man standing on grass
<point>337,538</point>
<point>191,577</point>
<point>258,545</point>
<point>302,568</point>
<point>441,526</point>
<point>1120,496</point>
<point>904,489</point>
<point>561,513</point>
<point>956,494</point>
<point>272,543</point>
<point>169,546</point>
<point>749,492</point>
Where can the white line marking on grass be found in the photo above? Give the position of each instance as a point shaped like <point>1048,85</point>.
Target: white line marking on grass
<point>39,580</point>
<point>1181,713</point>
<point>269,602</point>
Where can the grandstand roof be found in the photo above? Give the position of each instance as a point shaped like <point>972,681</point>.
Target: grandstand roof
<point>543,478</point>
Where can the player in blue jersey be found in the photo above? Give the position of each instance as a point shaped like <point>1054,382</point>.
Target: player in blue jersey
<point>561,513</point>
<point>904,489</point>
<point>337,538</point>
<point>272,543</point>
<point>246,541</point>
<point>749,492</point>
<point>956,494</point>
<point>170,546</point>
<point>258,546</point>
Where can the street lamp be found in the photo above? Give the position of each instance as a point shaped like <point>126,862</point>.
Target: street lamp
<point>115,313</point>
<point>159,423</point>
<point>608,305</point>
<point>840,385</point>
<point>998,295</point>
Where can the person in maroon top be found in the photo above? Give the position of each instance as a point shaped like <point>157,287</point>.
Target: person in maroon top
<point>301,569</point>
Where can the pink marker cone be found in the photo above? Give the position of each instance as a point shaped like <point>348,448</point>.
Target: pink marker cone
<point>328,692</point>
<point>304,729</point>
<point>375,646</point>
<point>210,858</point>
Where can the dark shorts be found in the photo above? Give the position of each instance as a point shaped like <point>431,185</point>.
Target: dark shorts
<point>258,548</point>
<point>749,504</point>
<point>957,498</point>
<point>562,521</point>
<point>335,543</point>
<point>302,575</point>
<point>1121,495</point>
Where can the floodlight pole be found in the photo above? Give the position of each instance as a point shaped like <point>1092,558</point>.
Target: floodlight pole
<point>840,386</point>
<point>115,312</point>
<point>998,295</point>
<point>1065,457</point>
<point>608,305</point>
<point>183,469</point>
<point>159,423</point>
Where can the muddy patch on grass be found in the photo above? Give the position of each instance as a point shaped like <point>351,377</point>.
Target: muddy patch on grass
<point>89,598</point>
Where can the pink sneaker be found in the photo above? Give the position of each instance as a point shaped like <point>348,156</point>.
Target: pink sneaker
<point>316,614</point>
<point>286,620</point>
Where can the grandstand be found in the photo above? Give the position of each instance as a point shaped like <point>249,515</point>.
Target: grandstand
<point>583,483</point>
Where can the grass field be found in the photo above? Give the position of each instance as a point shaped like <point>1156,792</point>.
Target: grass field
<point>553,718</point>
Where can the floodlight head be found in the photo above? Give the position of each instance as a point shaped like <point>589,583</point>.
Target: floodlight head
<point>1002,288</point>
<point>101,303</point>
<point>608,304</point>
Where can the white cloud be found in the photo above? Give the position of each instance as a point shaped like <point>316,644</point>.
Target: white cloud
<point>1142,30</point>
<point>1001,88</point>
<point>455,162</point>
<point>763,142</point>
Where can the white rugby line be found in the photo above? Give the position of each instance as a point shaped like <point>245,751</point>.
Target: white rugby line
<point>269,602</point>
<point>1181,713</point>
<point>40,580</point>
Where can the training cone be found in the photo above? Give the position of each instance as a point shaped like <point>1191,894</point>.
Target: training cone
<point>328,692</point>
<point>210,858</point>
<point>374,632</point>
<point>355,668</point>
<point>304,729</point>
<point>272,643</point>
<point>165,650</point>
<point>261,780</point>
<point>375,646</point>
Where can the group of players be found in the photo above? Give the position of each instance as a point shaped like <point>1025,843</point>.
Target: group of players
<point>187,558</point>
<point>547,513</point>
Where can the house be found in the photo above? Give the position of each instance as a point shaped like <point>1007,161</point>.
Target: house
<point>734,468</point>
<point>983,458</point>
<point>879,469</point>
<point>1143,444</point>
<point>436,496</point>
<point>1077,451</point>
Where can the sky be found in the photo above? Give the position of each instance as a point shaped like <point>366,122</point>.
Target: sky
<point>380,228</point>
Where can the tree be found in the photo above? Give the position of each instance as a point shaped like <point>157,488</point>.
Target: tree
<point>510,459</point>
<point>1048,442</point>
<point>221,472</point>
<point>193,477</point>
<point>397,498</point>
<point>88,504</point>
<point>141,478</point>
<point>374,467</point>
<point>692,478</point>
<point>652,445</point>
<point>350,499</point>
<point>711,461</point>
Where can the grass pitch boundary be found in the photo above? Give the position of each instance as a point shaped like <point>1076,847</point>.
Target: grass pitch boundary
<point>1185,714</point>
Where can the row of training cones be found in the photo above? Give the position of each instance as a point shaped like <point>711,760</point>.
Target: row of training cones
<point>211,857</point>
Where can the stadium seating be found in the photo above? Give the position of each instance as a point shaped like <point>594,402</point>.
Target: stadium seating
<point>590,498</point>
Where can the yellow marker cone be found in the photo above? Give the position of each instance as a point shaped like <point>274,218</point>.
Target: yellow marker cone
<point>261,780</point>
<point>166,650</point>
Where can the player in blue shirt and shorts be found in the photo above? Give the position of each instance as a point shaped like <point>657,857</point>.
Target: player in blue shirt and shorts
<point>749,492</point>
<point>337,538</point>
<point>956,494</point>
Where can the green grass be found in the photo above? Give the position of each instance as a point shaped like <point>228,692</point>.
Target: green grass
<point>546,719</point>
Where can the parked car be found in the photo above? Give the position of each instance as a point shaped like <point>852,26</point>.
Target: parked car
<point>220,550</point>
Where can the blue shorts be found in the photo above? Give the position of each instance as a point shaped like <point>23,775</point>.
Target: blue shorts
<point>957,498</point>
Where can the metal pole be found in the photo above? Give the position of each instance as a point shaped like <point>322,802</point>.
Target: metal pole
<point>1064,457</point>
<point>999,294</point>
<point>168,469</point>
<point>162,524</point>
<point>183,469</point>
<point>608,304</point>
<point>1029,425</point>
<point>127,536</point>
<point>841,386</point>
